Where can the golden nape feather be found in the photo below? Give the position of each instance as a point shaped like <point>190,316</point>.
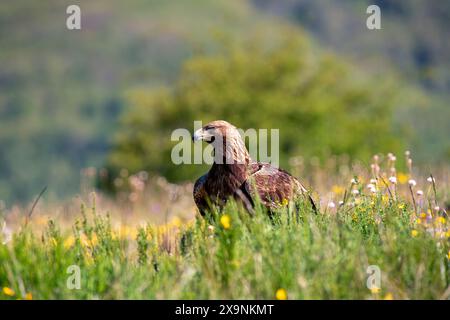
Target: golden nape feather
<point>234,175</point>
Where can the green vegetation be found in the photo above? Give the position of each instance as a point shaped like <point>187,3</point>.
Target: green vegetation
<point>235,256</point>
<point>320,107</point>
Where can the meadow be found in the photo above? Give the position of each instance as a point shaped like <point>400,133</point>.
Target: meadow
<point>149,243</point>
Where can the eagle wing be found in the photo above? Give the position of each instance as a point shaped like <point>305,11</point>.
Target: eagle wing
<point>200,194</point>
<point>273,185</point>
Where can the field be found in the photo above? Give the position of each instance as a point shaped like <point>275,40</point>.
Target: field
<point>149,243</point>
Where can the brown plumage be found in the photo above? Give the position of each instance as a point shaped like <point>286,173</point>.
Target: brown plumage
<point>235,175</point>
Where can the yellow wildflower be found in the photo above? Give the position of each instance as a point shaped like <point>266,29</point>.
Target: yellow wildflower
<point>447,234</point>
<point>176,221</point>
<point>225,221</point>
<point>402,178</point>
<point>448,255</point>
<point>423,215</point>
<point>441,220</point>
<point>401,206</point>
<point>8,291</point>
<point>29,296</point>
<point>124,231</point>
<point>281,294</point>
<point>133,234</point>
<point>94,240</point>
<point>414,233</point>
<point>69,242</point>
<point>389,296</point>
<point>284,203</point>
<point>375,290</point>
<point>338,190</point>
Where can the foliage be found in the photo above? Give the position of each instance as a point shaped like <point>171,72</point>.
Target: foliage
<point>308,256</point>
<point>319,106</point>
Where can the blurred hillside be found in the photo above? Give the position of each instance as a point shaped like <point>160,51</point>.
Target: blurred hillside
<point>61,92</point>
<point>413,42</point>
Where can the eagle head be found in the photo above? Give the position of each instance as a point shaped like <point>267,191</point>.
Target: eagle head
<point>226,140</point>
<point>216,130</point>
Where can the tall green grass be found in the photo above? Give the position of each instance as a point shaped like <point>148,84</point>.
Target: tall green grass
<point>306,255</point>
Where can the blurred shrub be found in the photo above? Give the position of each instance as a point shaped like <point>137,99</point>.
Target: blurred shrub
<point>320,105</point>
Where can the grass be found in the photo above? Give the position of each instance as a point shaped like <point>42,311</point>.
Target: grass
<point>231,255</point>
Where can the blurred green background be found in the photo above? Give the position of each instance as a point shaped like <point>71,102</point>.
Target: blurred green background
<point>109,95</point>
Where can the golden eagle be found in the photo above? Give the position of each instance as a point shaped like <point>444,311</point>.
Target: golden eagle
<point>235,175</point>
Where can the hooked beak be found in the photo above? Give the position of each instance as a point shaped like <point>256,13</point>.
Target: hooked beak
<point>201,134</point>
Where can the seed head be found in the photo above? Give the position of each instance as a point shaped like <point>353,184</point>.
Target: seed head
<point>412,182</point>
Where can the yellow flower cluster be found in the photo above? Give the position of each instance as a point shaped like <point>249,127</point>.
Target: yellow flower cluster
<point>11,293</point>
<point>281,294</point>
<point>225,221</point>
<point>375,290</point>
<point>402,178</point>
<point>8,291</point>
<point>338,190</point>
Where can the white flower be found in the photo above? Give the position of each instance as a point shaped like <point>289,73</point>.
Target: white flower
<point>391,157</point>
<point>331,205</point>
<point>355,192</point>
<point>393,180</point>
<point>412,182</point>
<point>430,179</point>
<point>5,234</point>
<point>407,153</point>
<point>341,203</point>
<point>419,192</point>
<point>353,181</point>
<point>372,188</point>
<point>373,181</point>
<point>437,208</point>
